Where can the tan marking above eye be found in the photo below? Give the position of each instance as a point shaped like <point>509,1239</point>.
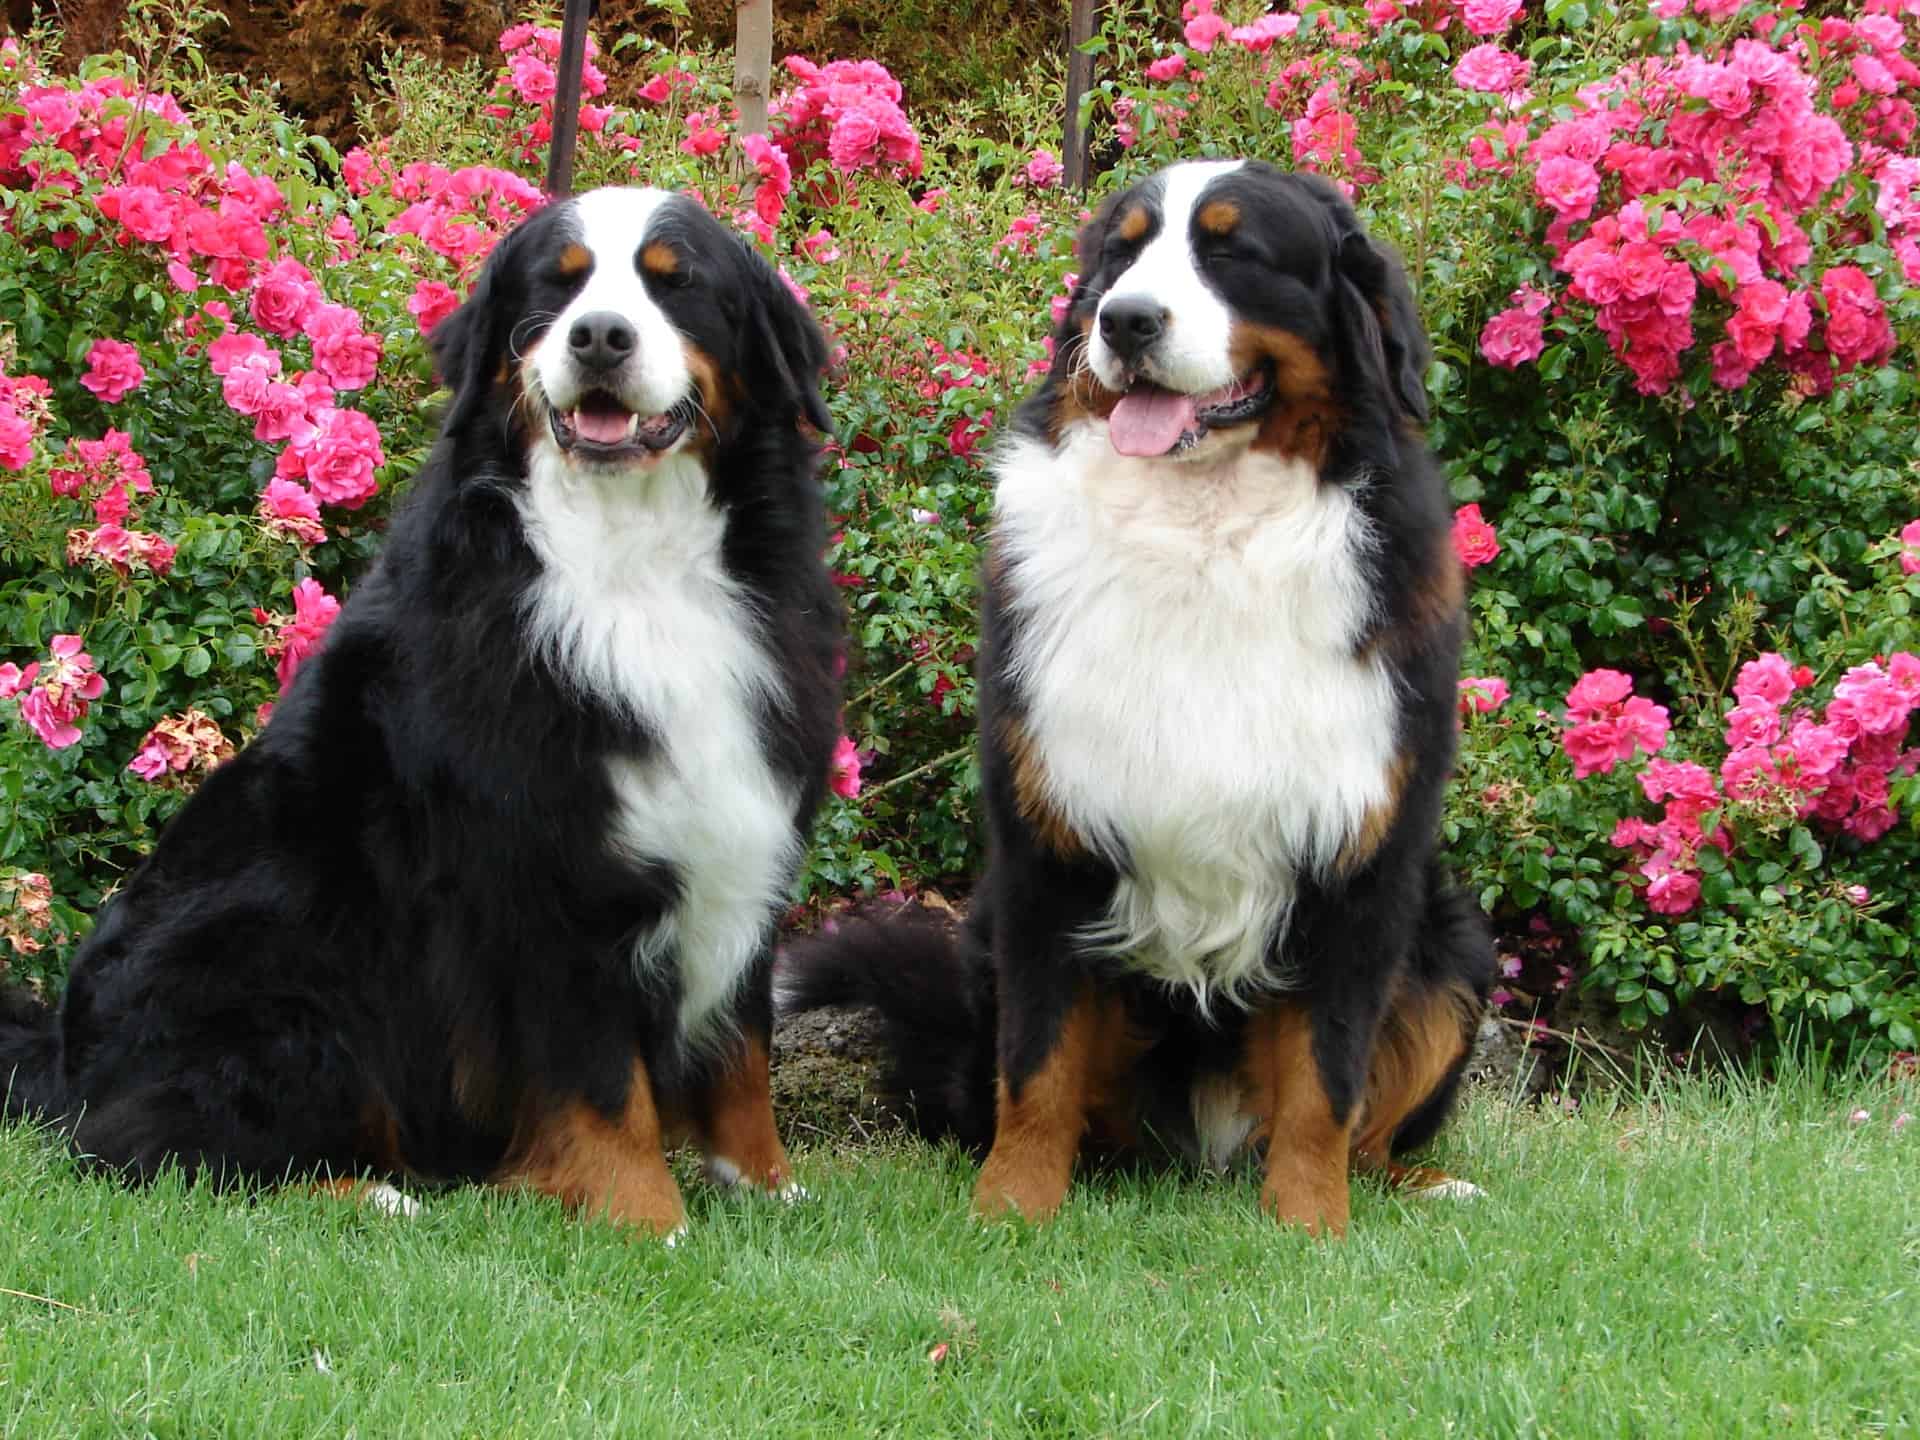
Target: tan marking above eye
<point>1133,224</point>
<point>1219,217</point>
<point>659,258</point>
<point>575,260</point>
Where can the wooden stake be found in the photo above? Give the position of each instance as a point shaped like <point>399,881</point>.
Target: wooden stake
<point>1074,150</point>
<point>566,99</point>
<point>752,63</point>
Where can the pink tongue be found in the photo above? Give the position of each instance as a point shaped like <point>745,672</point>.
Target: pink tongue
<point>1150,421</point>
<point>603,427</point>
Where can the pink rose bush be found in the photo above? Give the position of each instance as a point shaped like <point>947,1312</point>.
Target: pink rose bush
<point>1784,762</point>
<point>1666,260</point>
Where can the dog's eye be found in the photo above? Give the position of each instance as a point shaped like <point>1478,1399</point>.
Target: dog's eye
<point>663,265</point>
<point>1232,250</point>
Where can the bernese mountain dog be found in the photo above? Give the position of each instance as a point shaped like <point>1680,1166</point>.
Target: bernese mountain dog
<point>1221,628</point>
<point>492,897</point>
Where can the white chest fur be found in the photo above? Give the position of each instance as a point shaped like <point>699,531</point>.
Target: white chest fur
<point>637,608</point>
<point>1186,648</point>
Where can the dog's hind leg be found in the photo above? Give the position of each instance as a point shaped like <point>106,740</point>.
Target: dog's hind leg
<point>256,1100</point>
<point>1043,1114</point>
<point>605,1160</point>
<point>1417,1061</point>
<point>735,1124</point>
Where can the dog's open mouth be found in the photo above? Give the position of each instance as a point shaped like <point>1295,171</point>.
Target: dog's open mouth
<point>601,428</point>
<point>1150,420</point>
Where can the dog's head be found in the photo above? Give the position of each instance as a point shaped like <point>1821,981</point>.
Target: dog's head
<point>1225,303</point>
<point>624,325</point>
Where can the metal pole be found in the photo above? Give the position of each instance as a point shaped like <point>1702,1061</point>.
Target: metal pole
<point>1074,156</point>
<point>566,99</point>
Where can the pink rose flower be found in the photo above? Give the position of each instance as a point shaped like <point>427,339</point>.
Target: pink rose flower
<point>1752,724</point>
<point>844,769</point>
<point>1516,336</point>
<point>1043,170</point>
<point>1474,539</point>
<point>1670,891</point>
<point>281,413</point>
<point>339,459</point>
<point>296,639</point>
<point>1491,70</point>
<point>1204,30</point>
<point>430,303</point>
<point>1593,746</point>
<point>1910,548</point>
<point>1568,186</point>
<point>1483,693</point>
<point>342,351</point>
<point>236,346</point>
<point>113,370</point>
<point>1490,17</point>
<point>1877,707</point>
<point>1608,723</point>
<point>53,701</point>
<point>290,509</point>
<point>283,297</point>
<point>1767,681</point>
<point>1643,725</point>
<point>702,136</point>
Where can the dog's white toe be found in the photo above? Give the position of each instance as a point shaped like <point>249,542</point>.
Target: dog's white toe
<point>389,1201</point>
<point>1450,1189</point>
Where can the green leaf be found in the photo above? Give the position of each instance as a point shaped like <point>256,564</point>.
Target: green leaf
<point>198,661</point>
<point>1804,848</point>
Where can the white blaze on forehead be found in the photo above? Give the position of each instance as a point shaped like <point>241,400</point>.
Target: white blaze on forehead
<point>1193,356</point>
<point>614,225</point>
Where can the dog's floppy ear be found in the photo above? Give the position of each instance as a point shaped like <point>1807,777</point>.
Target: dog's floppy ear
<point>788,346</point>
<point>1088,246</point>
<point>1396,342</point>
<point>467,346</point>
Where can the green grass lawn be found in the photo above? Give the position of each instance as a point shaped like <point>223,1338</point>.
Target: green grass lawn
<point>1712,1261</point>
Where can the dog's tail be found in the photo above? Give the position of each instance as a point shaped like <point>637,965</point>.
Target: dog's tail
<point>933,987</point>
<point>30,1083</point>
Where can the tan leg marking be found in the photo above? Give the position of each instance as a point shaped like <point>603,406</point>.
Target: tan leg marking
<point>737,1132</point>
<point>1037,1132</point>
<point>1306,1181</point>
<point>611,1166</point>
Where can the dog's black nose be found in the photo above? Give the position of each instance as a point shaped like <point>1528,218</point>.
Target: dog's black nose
<point>1130,326</point>
<point>600,341</point>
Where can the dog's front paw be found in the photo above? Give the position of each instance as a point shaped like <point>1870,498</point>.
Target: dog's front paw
<point>1032,1193</point>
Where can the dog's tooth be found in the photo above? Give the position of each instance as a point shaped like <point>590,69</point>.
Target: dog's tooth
<point>633,426</point>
